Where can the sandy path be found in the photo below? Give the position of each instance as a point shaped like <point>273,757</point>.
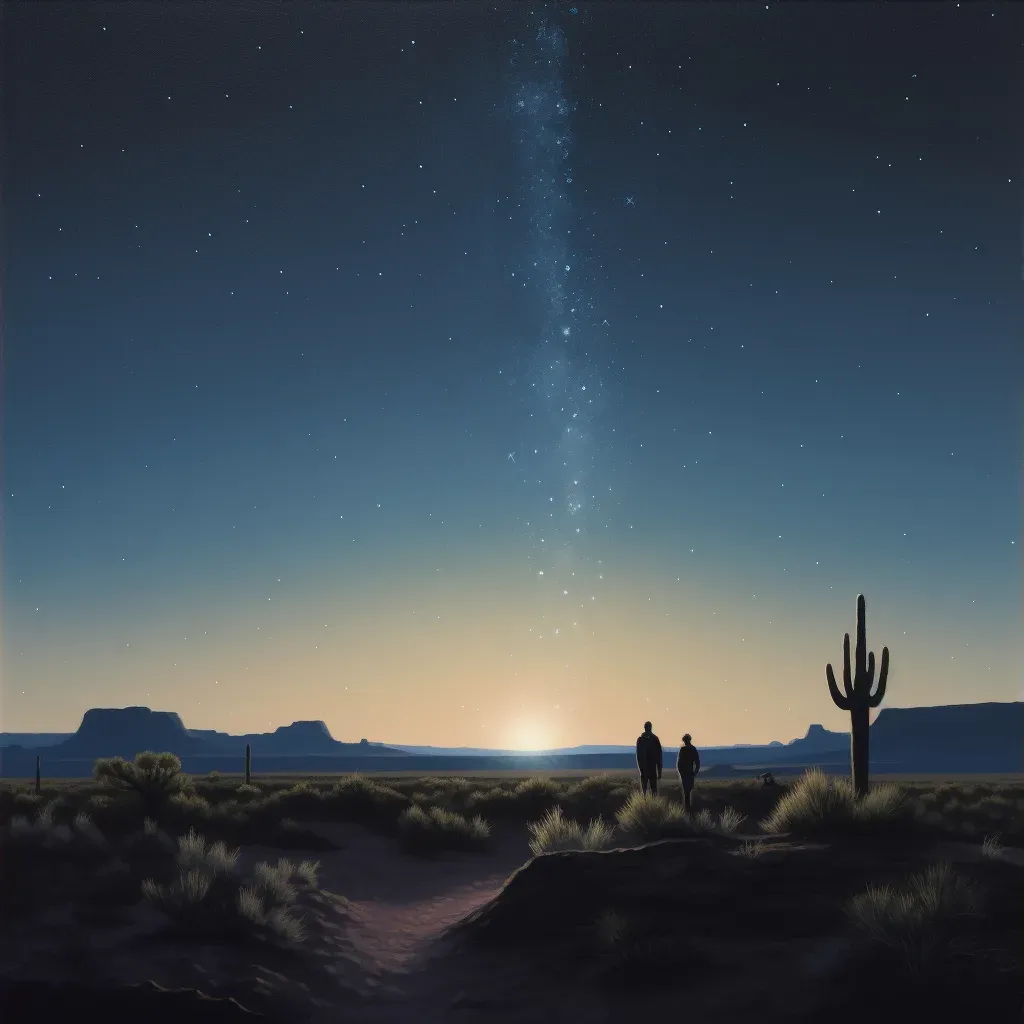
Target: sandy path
<point>398,907</point>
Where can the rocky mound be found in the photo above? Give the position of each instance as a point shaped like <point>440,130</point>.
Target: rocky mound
<point>741,938</point>
<point>129,1004</point>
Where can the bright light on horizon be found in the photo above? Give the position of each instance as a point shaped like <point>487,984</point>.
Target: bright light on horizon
<point>528,735</point>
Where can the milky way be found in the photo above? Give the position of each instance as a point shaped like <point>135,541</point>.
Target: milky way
<point>563,377</point>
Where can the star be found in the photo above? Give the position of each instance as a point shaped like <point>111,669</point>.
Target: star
<point>512,456</point>
<point>629,201</point>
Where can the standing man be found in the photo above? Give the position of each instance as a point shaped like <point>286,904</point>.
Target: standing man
<point>687,764</point>
<point>648,759</point>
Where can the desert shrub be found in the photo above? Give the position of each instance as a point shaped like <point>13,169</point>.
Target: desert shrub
<point>45,861</point>
<point>495,803</point>
<point>430,830</point>
<point>28,802</point>
<point>752,848</point>
<point>154,778</point>
<point>885,804</point>
<point>81,838</point>
<point>453,789</point>
<point>920,922</point>
<point>246,791</point>
<point>592,797</point>
<point>555,832</point>
<point>992,847</point>
<point>361,800</point>
<point>187,809</point>
<point>729,820</point>
<point>699,822</point>
<point>819,804</point>
<point>116,882</point>
<point>211,899</point>
<point>650,817</point>
<point>536,792</point>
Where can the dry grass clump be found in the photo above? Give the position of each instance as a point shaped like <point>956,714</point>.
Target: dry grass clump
<point>921,922</point>
<point>363,800</point>
<point>43,832</point>
<point>45,860</point>
<point>700,822</point>
<point>651,817</point>
<point>822,805</point>
<point>210,899</point>
<point>729,821</point>
<point>752,848</point>
<point>555,832</point>
<point>992,847</point>
<point>593,797</point>
<point>515,800</point>
<point>429,830</point>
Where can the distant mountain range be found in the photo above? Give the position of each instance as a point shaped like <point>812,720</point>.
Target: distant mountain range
<point>953,738</point>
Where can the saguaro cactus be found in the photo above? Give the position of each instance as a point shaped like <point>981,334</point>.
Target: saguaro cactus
<point>858,696</point>
<point>248,763</point>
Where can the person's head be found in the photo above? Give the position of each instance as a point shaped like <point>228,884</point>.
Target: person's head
<point>687,738</point>
<point>647,726</point>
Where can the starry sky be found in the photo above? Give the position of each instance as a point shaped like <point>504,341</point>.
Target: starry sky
<point>506,375</point>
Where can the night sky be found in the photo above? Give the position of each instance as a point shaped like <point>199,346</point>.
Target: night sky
<point>505,376</point>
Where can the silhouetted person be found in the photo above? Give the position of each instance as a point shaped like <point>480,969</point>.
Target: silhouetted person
<point>687,764</point>
<point>648,760</point>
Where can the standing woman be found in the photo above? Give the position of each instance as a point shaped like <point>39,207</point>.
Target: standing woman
<point>687,764</point>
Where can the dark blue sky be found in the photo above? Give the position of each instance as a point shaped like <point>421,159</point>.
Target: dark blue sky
<point>292,357</point>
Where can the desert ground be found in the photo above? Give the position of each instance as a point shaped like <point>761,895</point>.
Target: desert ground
<point>559,896</point>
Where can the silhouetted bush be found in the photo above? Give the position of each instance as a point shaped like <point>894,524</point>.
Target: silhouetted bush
<point>520,801</point>
<point>822,805</point>
<point>211,899</point>
<point>154,778</point>
<point>729,820</point>
<point>556,832</point>
<point>434,829</point>
<point>651,817</point>
<point>921,922</point>
<point>44,858</point>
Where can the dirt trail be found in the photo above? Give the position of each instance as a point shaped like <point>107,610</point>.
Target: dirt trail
<point>396,908</point>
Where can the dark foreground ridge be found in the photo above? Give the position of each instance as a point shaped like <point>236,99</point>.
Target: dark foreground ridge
<point>128,1004</point>
<point>762,938</point>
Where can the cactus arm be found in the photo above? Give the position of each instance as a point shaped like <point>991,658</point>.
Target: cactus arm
<point>838,699</point>
<point>871,671</point>
<point>883,676</point>
<point>847,678</point>
<point>862,641</point>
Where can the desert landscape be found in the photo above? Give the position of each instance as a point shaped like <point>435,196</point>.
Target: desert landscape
<point>405,405</point>
<point>522,899</point>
